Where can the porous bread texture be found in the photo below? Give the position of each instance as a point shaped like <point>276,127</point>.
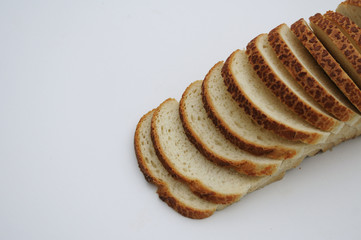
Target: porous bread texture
<point>347,27</point>
<point>338,45</point>
<point>175,193</point>
<point>331,67</point>
<point>276,77</point>
<point>236,125</point>
<point>351,9</point>
<point>211,142</point>
<point>262,105</point>
<point>310,76</point>
<point>182,159</point>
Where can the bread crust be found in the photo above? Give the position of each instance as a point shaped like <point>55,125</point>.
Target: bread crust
<point>312,86</point>
<point>245,166</point>
<point>327,62</point>
<point>186,211</point>
<point>274,152</point>
<point>162,188</point>
<point>196,186</point>
<point>346,24</point>
<point>257,114</point>
<point>339,39</point>
<point>352,2</point>
<point>286,95</point>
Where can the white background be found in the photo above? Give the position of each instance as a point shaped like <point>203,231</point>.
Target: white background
<point>76,76</point>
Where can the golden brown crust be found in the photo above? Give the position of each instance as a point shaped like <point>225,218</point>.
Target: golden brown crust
<point>245,166</point>
<point>163,190</point>
<point>196,186</point>
<point>274,152</point>
<point>285,94</point>
<point>305,79</point>
<point>181,208</point>
<point>352,2</point>
<point>257,114</point>
<point>339,39</point>
<point>141,161</point>
<point>327,62</point>
<point>346,24</point>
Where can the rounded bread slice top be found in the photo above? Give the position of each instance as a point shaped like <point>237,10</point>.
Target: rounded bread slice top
<point>351,9</point>
<point>175,193</point>
<point>338,45</point>
<point>331,67</point>
<point>272,72</point>
<point>182,159</point>
<point>309,75</point>
<point>211,142</point>
<point>262,105</point>
<point>236,125</point>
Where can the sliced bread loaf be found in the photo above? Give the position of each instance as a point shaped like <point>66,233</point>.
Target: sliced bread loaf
<point>175,193</point>
<point>338,45</point>
<point>331,67</point>
<point>211,142</point>
<point>275,76</point>
<point>182,159</point>
<point>237,126</point>
<point>351,9</point>
<point>262,105</point>
<point>310,76</point>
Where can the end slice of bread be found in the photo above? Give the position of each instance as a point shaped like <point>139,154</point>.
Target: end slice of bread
<point>272,72</point>
<point>351,9</point>
<point>331,67</point>
<point>338,45</point>
<point>237,126</point>
<point>182,159</point>
<point>211,142</point>
<point>175,193</point>
<point>309,75</point>
<point>262,105</point>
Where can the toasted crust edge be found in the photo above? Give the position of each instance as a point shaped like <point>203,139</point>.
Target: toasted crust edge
<point>340,40</point>
<point>196,186</point>
<point>346,24</point>
<point>327,62</point>
<point>257,114</point>
<point>356,3</point>
<point>281,90</point>
<point>244,166</point>
<point>274,152</point>
<point>163,190</point>
<point>305,79</point>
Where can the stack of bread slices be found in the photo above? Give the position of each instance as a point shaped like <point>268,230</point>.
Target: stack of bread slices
<point>291,93</point>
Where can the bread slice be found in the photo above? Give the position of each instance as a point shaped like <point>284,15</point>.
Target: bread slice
<point>182,159</point>
<point>338,45</point>
<point>262,105</point>
<point>351,9</point>
<point>211,142</point>
<point>237,126</point>
<point>270,69</point>
<point>175,193</point>
<point>310,76</point>
<point>347,27</point>
<point>330,66</point>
